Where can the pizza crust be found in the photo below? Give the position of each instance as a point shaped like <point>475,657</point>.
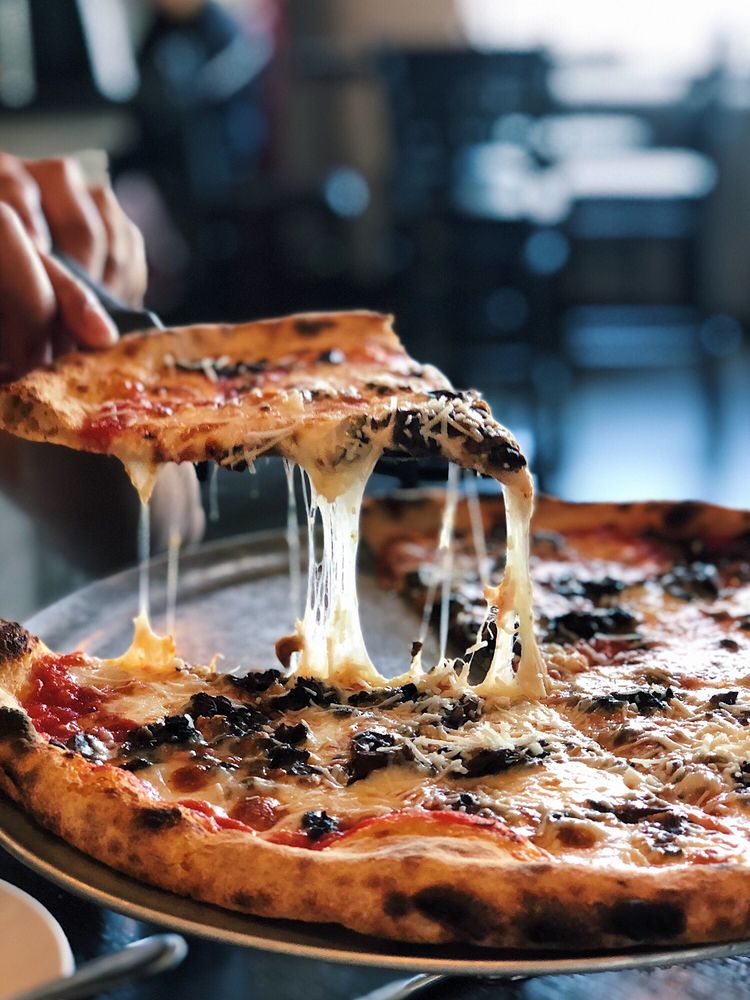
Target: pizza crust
<point>443,890</point>
<point>419,513</point>
<point>149,400</point>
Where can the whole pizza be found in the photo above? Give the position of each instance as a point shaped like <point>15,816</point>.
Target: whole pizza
<point>574,771</point>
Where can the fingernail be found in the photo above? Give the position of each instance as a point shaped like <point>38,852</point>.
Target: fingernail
<point>100,328</point>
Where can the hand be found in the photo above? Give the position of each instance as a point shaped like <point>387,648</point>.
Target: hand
<point>44,310</point>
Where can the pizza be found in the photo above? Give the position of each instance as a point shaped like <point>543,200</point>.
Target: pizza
<point>572,776</point>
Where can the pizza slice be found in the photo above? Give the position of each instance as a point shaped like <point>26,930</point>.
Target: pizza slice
<point>331,392</point>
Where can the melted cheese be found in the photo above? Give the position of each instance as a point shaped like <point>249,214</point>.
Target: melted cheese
<point>445,546</point>
<point>292,540</point>
<point>338,460</point>
<point>513,599</point>
<point>144,553</point>
<point>333,647</point>
<point>173,576</point>
<point>148,652</point>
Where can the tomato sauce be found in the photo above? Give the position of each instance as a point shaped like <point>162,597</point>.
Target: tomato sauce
<point>219,817</point>
<point>99,430</point>
<point>59,707</point>
<point>300,838</point>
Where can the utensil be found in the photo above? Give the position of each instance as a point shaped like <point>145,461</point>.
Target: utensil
<point>126,319</point>
<point>404,989</point>
<point>143,958</point>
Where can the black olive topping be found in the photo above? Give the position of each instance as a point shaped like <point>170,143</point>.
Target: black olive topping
<point>723,698</point>
<point>467,708</point>
<point>408,436</point>
<point>742,777</point>
<point>88,746</point>
<point>371,750</point>
<point>209,705</point>
<point>224,371</point>
<point>173,729</point>
<point>467,802</point>
<point>395,695</point>
<point>637,811</point>
<point>136,764</point>
<point>287,758</point>
<point>318,823</point>
<point>485,762</point>
<point>306,691</point>
<point>731,644</point>
<point>594,590</point>
<point>293,735</point>
<point>693,580</point>
<point>586,624</point>
<point>644,701</point>
<point>239,719</point>
<point>256,681</point>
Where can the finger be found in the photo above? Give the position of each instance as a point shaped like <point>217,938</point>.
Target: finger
<point>27,300</point>
<point>79,312</point>
<point>74,221</point>
<point>125,272</point>
<point>19,190</point>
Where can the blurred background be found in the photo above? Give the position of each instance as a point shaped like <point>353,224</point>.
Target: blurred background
<point>555,206</point>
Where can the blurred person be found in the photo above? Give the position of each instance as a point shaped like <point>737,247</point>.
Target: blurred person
<point>85,501</point>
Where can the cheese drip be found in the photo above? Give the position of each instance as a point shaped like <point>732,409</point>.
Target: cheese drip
<point>148,652</point>
<point>173,578</point>
<point>144,552</point>
<point>513,599</point>
<point>446,548</point>
<point>333,647</point>
<point>292,540</point>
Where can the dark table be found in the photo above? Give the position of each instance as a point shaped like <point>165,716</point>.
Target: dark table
<point>225,972</point>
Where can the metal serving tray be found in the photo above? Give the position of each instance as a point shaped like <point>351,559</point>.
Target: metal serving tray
<point>234,597</point>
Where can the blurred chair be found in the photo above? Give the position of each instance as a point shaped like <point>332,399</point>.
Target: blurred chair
<point>466,288</point>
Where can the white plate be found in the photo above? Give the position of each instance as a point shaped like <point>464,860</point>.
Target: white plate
<point>33,947</point>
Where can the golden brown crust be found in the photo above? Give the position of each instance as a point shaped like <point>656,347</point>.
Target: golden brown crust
<point>156,397</point>
<point>420,512</point>
<point>402,887</point>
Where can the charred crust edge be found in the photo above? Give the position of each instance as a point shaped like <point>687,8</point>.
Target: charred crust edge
<point>312,327</point>
<point>158,818</point>
<point>15,725</point>
<point>465,916</point>
<point>15,641</point>
<point>639,920</point>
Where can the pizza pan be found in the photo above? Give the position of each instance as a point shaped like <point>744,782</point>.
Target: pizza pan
<point>234,596</point>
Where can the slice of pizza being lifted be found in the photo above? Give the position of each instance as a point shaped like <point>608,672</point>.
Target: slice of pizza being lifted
<point>332,392</point>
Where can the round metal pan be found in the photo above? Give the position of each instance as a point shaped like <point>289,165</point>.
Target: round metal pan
<point>234,597</point>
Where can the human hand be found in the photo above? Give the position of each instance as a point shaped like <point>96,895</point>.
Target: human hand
<point>44,310</point>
